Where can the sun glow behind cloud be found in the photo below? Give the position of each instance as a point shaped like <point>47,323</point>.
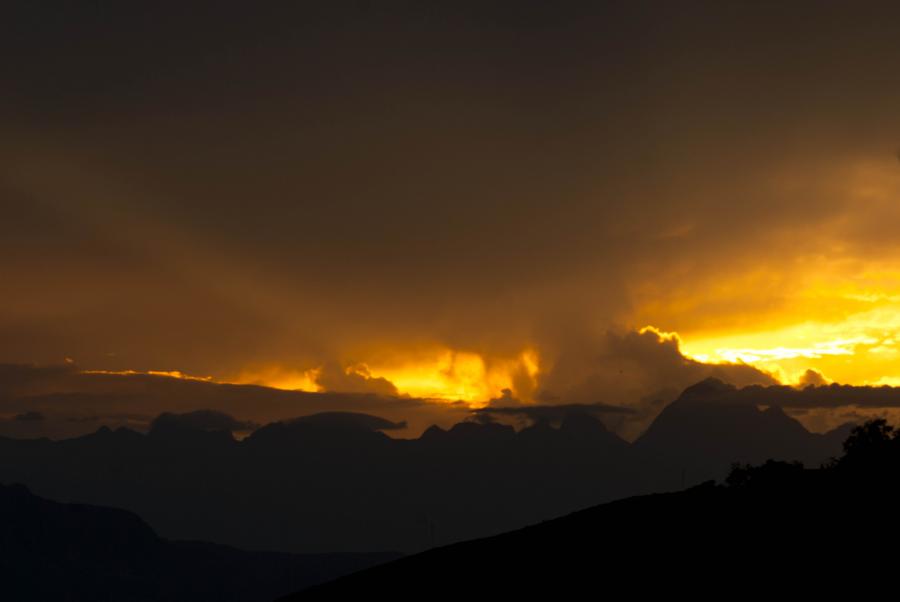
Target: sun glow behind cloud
<point>827,298</point>
<point>440,374</point>
<point>823,295</point>
<point>279,377</point>
<point>861,348</point>
<point>464,376</point>
<point>165,373</point>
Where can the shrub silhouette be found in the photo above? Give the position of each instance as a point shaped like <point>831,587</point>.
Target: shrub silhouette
<point>773,472</point>
<point>874,440</point>
<point>871,451</point>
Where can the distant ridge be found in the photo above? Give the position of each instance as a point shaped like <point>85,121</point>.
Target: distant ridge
<point>710,425</point>
<point>336,482</point>
<point>52,551</point>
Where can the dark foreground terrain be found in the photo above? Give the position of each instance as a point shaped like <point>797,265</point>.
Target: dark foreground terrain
<point>776,529</point>
<point>772,529</point>
<point>68,552</point>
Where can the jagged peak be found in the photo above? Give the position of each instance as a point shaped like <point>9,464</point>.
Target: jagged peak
<point>706,388</point>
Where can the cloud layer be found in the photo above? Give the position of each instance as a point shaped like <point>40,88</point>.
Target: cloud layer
<point>344,184</point>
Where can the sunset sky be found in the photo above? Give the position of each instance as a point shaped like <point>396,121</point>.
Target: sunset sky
<point>579,202</point>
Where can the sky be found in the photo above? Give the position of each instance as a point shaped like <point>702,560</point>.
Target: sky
<point>529,202</point>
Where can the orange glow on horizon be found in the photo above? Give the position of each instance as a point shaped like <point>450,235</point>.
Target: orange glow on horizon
<point>165,373</point>
<point>441,375</point>
<point>825,298</point>
<point>278,377</point>
<point>845,327</point>
<point>461,376</point>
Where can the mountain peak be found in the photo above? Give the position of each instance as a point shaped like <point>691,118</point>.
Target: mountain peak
<point>706,388</point>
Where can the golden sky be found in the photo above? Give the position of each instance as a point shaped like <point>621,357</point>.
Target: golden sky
<point>449,202</point>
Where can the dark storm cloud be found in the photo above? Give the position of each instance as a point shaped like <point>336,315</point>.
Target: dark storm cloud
<point>206,420</point>
<point>643,370</point>
<point>201,189</point>
<point>29,417</point>
<point>81,402</point>
<point>824,396</point>
<point>508,405</point>
<point>552,413</point>
<point>350,420</point>
<point>19,379</point>
<point>819,408</point>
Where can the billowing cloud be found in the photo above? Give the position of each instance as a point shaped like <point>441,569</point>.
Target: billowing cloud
<point>642,370</point>
<point>812,378</point>
<point>353,379</point>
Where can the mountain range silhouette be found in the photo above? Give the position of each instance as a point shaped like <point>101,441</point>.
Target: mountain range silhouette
<point>336,483</point>
<point>775,527</point>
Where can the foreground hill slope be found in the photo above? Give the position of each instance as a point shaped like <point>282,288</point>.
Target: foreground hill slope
<point>53,551</point>
<point>772,528</point>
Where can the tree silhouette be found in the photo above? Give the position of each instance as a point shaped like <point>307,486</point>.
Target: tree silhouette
<point>771,473</point>
<point>871,453</point>
<point>871,446</point>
